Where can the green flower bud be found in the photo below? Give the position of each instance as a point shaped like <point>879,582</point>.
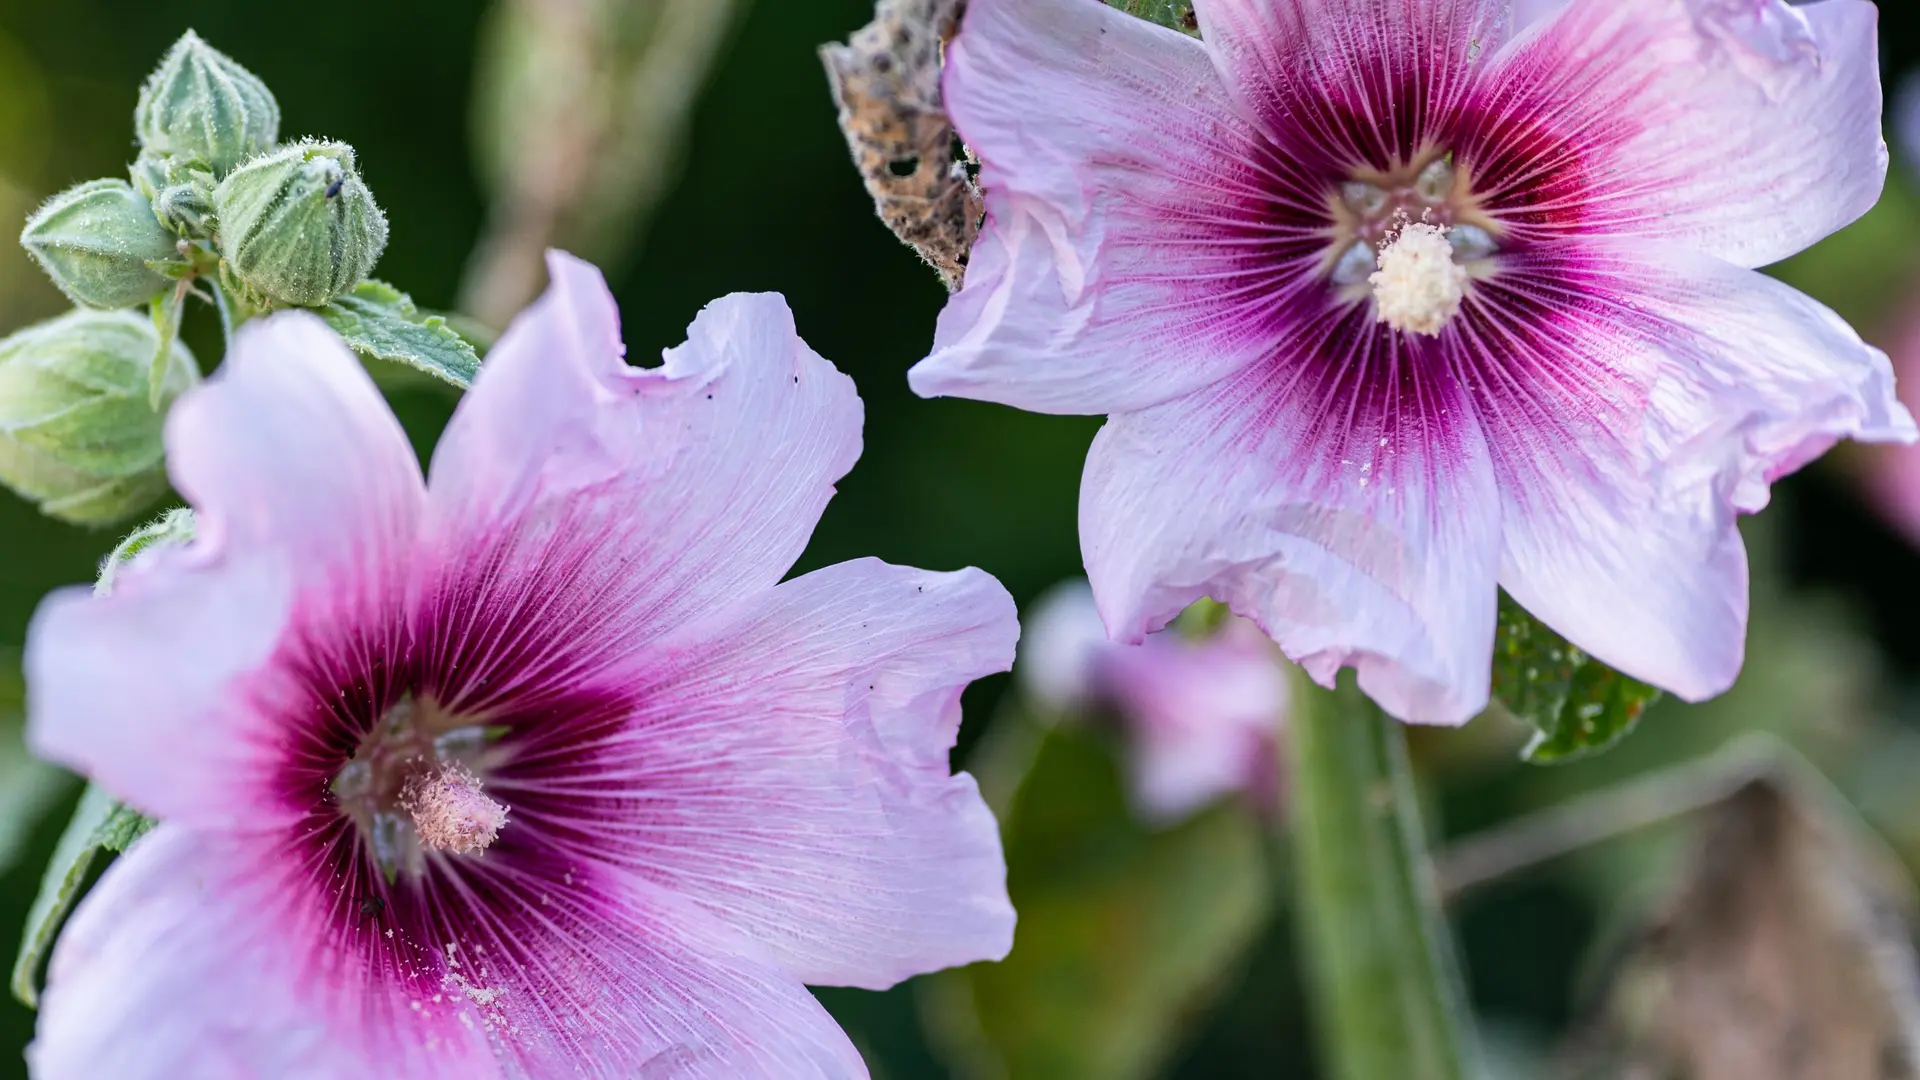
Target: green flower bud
<point>199,104</point>
<point>77,435</point>
<point>96,242</point>
<point>298,226</point>
<point>182,196</point>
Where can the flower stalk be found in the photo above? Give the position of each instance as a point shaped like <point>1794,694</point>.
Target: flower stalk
<point>1379,962</point>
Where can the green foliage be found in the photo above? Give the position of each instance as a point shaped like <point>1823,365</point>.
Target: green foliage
<point>1125,933</point>
<point>1173,14</point>
<point>298,226</point>
<point>1576,705</point>
<point>27,785</point>
<point>96,241</point>
<point>99,824</point>
<point>78,432</point>
<point>380,321</point>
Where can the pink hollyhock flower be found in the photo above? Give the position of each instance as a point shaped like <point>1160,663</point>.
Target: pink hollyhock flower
<point>1392,300</point>
<point>537,771</point>
<point>1202,717</point>
<point>1892,473</point>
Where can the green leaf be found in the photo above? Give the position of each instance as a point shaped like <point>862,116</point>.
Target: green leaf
<point>380,321</point>
<point>1125,934</point>
<point>1577,705</point>
<point>1173,14</point>
<point>99,823</point>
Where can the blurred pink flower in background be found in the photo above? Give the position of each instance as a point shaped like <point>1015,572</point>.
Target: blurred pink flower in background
<point>537,771</point>
<point>1892,473</point>
<point>1390,302</point>
<point>1201,718</point>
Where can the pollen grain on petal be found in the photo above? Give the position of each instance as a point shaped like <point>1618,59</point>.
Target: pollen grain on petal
<point>1418,286</point>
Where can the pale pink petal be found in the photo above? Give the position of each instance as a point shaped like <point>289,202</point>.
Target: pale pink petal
<point>1528,12</point>
<point>303,485</point>
<point>1746,128</point>
<point>290,448</point>
<point>788,768</point>
<point>191,958</point>
<point>1340,496</point>
<point>1638,397</point>
<point>573,968</point>
<point>213,958</point>
<point>1362,80</point>
<point>1114,271</point>
<point>610,503</point>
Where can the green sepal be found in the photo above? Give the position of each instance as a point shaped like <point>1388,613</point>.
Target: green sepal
<point>1576,705</point>
<point>169,529</point>
<point>172,269</point>
<point>166,310</point>
<point>100,823</point>
<point>1201,619</point>
<point>1172,14</point>
<point>380,321</point>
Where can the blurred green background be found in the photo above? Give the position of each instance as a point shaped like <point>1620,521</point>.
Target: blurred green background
<point>765,199</point>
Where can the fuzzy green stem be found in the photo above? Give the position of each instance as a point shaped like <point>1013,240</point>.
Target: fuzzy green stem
<point>1385,982</point>
<point>233,311</point>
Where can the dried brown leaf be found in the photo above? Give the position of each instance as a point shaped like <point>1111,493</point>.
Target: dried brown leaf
<point>886,82</point>
<point>1785,954</point>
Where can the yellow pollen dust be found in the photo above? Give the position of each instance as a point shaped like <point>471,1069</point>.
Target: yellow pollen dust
<point>450,812</point>
<point>1418,286</point>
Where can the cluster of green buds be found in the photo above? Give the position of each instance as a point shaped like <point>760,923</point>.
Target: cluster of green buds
<point>214,207</point>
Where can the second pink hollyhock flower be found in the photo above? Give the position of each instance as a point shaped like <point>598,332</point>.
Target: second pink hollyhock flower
<point>539,770</point>
<point>1201,718</point>
<point>1394,301</point>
